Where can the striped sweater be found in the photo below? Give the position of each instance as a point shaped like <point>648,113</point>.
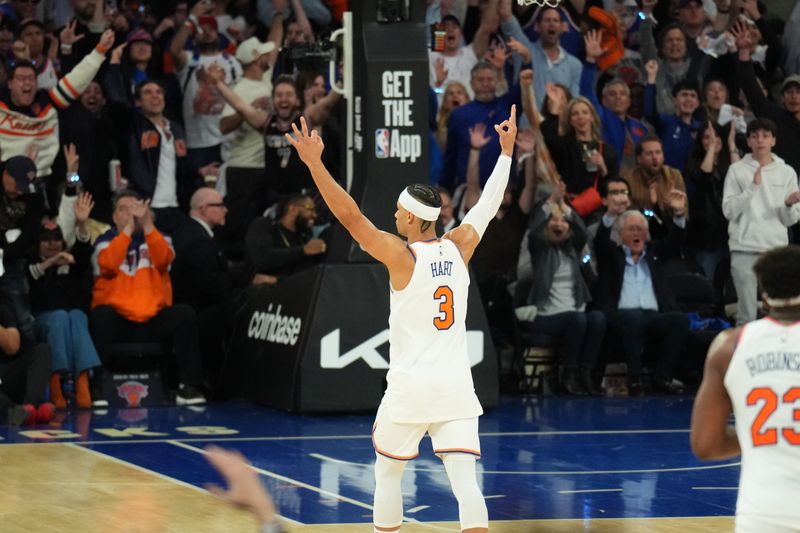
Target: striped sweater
<point>132,273</point>
<point>37,124</point>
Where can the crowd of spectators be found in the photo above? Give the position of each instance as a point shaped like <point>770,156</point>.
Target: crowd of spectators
<point>148,184</point>
<point>656,142</point>
<point>171,116</point>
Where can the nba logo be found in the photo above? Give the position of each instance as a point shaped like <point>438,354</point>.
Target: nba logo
<point>382,143</point>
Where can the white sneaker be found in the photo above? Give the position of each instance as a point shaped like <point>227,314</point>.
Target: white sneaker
<point>189,395</point>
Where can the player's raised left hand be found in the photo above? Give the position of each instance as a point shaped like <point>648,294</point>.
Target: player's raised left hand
<point>508,132</point>
<point>309,146</point>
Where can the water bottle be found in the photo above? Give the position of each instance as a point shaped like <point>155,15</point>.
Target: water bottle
<point>114,175</point>
<point>587,159</point>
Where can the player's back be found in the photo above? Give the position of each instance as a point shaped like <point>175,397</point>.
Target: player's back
<point>429,377</point>
<point>763,382</point>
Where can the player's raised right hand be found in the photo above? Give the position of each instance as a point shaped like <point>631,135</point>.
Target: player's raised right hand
<point>309,146</point>
<point>508,132</point>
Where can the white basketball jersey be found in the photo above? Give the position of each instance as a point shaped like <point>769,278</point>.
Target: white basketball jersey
<point>429,377</point>
<point>763,382</point>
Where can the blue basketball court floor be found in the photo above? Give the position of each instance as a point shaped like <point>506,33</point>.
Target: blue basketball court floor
<point>543,458</point>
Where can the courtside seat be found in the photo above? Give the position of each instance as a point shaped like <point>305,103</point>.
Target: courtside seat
<point>536,355</point>
<point>538,360</point>
<point>135,374</point>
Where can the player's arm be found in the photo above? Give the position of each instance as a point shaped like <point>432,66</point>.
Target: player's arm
<point>469,233</point>
<point>383,246</point>
<point>712,438</point>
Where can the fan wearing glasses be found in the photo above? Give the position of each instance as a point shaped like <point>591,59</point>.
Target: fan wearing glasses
<point>200,273</point>
<point>201,277</point>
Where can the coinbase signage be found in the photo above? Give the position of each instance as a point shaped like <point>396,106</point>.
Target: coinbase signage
<point>297,347</point>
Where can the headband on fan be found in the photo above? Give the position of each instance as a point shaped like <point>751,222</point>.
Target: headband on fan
<point>417,208</point>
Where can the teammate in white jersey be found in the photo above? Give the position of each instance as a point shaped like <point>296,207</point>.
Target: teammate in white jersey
<point>754,372</point>
<point>429,381</point>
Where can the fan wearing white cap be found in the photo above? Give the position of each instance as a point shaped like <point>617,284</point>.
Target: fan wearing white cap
<point>201,103</point>
<point>244,148</point>
<point>429,384</point>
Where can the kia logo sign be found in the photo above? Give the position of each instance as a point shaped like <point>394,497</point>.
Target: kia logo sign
<point>331,358</point>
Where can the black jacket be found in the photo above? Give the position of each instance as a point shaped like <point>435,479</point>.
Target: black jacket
<point>98,140</point>
<point>708,227</point>
<point>567,154</point>
<point>63,290</point>
<point>23,214</point>
<point>144,150</point>
<point>200,275</point>
<point>788,138</point>
<point>274,250</point>
<point>724,67</point>
<point>611,268</point>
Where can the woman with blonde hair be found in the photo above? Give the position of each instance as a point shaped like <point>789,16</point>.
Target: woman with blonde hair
<point>581,156</point>
<point>570,123</point>
<point>455,94</point>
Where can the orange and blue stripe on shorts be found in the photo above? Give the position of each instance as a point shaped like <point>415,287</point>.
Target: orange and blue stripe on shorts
<point>387,454</point>
<point>458,450</point>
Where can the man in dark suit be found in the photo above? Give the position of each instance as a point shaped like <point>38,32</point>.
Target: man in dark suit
<point>200,274</point>
<point>634,292</point>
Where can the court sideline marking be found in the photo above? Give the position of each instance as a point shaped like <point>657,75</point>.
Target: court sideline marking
<point>125,440</point>
<point>546,473</point>
<point>304,485</point>
<point>159,475</point>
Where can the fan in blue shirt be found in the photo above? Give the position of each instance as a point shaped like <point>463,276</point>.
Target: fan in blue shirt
<point>487,109</point>
<point>550,61</point>
<point>679,130</point>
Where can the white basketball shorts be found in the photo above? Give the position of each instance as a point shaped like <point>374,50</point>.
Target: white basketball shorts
<point>401,441</point>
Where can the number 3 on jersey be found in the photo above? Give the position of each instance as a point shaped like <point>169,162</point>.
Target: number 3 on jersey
<point>445,319</point>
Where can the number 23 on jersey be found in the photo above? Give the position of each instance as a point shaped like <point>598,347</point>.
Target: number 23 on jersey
<point>769,436</point>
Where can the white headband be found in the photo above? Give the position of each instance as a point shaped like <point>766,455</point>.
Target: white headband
<point>782,302</point>
<point>417,208</point>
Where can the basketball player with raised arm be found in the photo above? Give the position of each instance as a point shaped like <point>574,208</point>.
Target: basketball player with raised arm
<point>754,372</point>
<point>430,385</point>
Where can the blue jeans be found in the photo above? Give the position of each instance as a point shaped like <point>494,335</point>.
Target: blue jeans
<point>67,333</point>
